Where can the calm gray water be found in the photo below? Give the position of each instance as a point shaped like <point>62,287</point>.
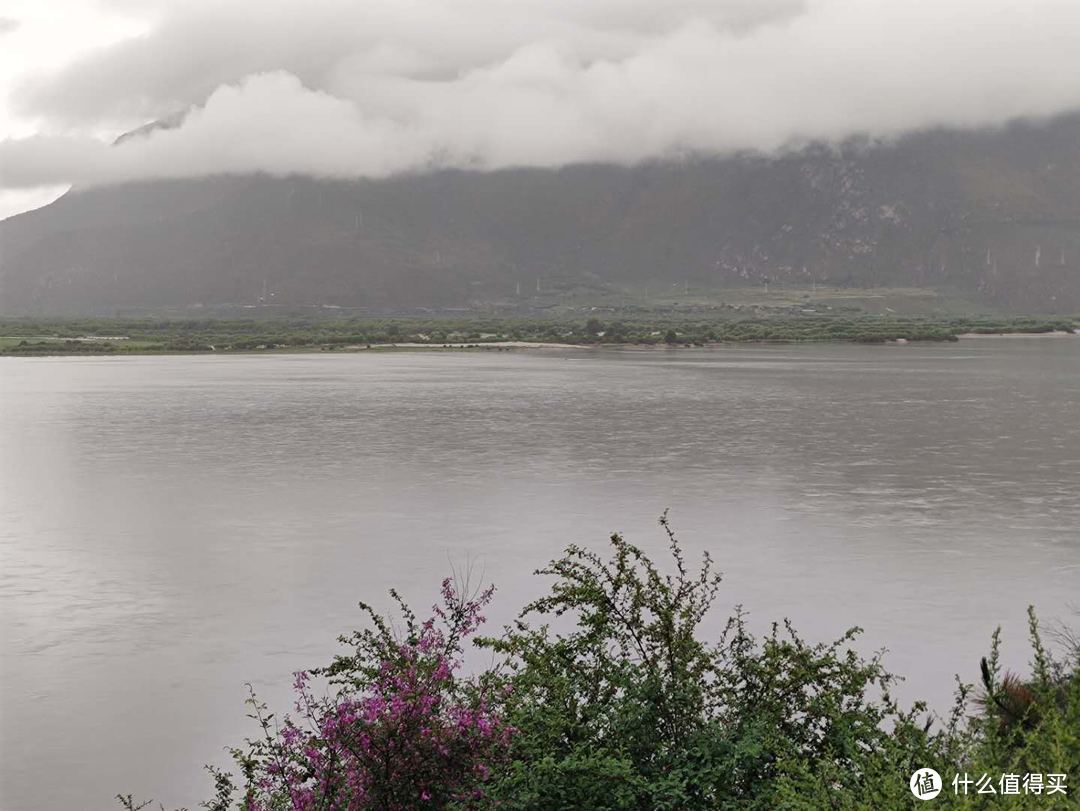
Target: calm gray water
<point>171,527</point>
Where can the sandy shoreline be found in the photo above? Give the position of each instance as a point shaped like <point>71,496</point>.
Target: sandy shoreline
<point>470,345</point>
<point>1055,334</point>
<point>710,344</point>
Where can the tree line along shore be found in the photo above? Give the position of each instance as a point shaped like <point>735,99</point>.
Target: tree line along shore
<point>118,336</point>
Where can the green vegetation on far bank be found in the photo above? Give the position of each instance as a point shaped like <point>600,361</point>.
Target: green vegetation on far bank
<point>586,327</point>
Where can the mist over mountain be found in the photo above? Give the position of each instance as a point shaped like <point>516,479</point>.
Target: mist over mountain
<point>992,215</point>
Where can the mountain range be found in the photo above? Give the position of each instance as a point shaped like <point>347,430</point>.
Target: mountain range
<point>990,215</point>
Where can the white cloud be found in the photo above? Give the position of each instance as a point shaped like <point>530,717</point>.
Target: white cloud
<point>346,89</point>
<point>16,201</point>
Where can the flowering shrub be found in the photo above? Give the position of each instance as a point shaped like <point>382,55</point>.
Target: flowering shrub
<point>400,731</point>
<point>627,707</point>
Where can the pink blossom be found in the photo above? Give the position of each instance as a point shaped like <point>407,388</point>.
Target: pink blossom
<point>413,725</point>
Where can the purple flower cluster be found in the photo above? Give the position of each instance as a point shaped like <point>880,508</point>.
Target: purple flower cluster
<point>413,736</point>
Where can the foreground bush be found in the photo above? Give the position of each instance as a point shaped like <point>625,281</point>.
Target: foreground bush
<point>631,709</point>
<point>605,696</point>
<point>398,730</point>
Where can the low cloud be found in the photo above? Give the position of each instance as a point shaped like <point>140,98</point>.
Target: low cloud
<point>341,89</point>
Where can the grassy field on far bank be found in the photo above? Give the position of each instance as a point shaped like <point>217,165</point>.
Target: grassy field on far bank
<point>586,326</point>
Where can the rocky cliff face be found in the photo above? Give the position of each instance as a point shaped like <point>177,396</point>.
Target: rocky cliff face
<point>989,214</point>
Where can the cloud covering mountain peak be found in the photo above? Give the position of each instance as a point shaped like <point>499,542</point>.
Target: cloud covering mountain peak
<point>343,89</point>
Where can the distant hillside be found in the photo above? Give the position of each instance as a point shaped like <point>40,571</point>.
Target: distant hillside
<point>989,215</point>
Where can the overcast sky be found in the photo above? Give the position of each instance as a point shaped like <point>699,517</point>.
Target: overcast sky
<point>352,88</point>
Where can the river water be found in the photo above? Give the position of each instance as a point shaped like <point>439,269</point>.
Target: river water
<point>173,527</point>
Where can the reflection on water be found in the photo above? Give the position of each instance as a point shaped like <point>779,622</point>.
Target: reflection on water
<point>171,527</point>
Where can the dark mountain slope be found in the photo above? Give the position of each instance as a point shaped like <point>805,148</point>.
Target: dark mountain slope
<point>994,215</point>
